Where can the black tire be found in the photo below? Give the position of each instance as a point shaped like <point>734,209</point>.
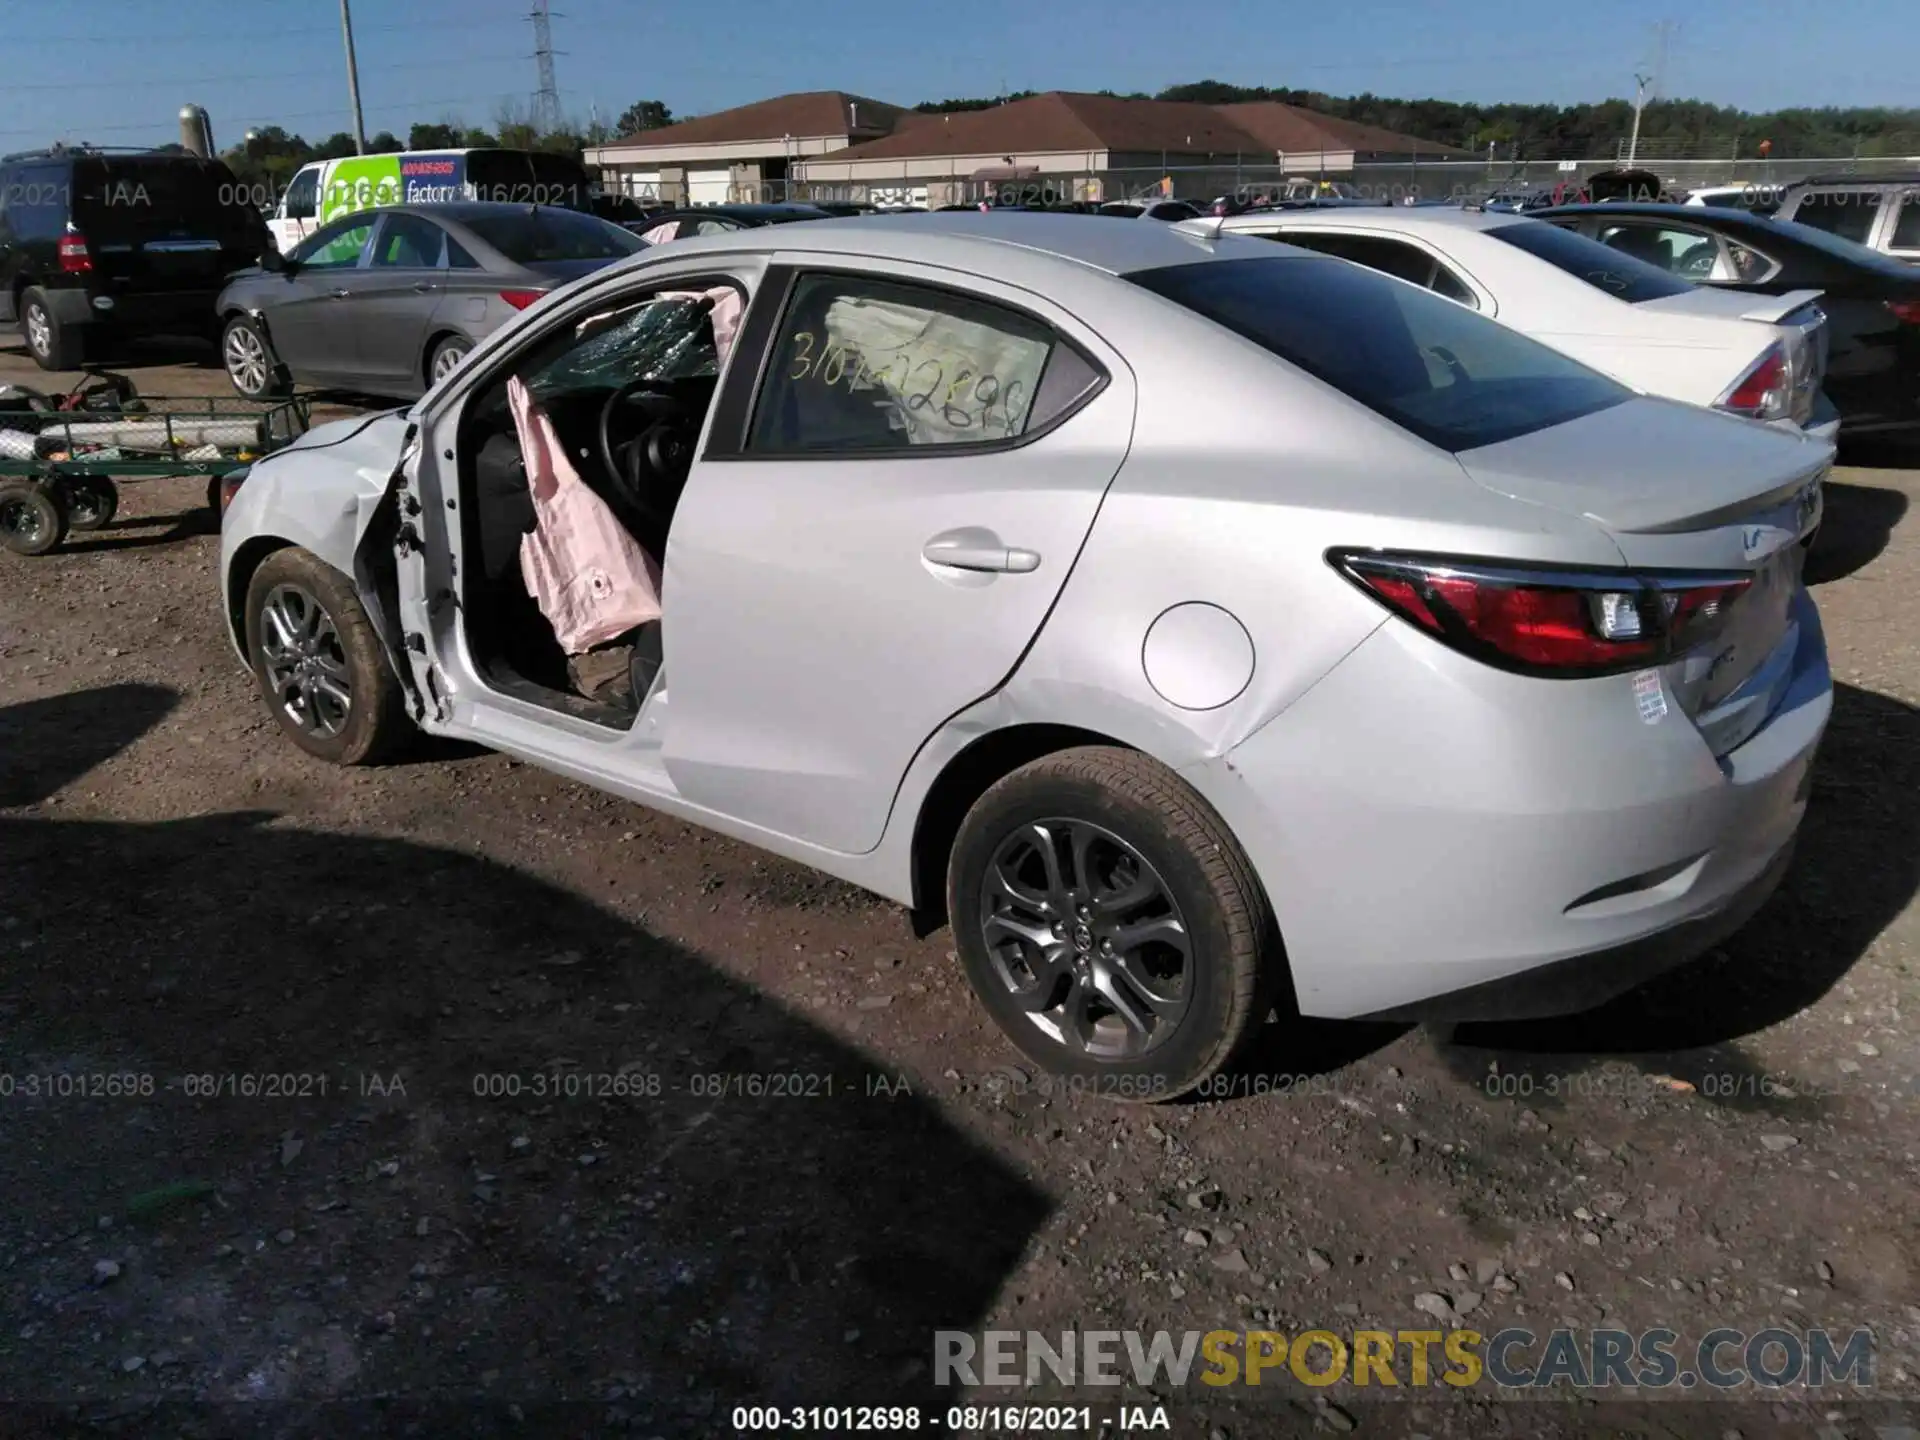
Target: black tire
<point>247,356</point>
<point>1234,967</point>
<point>53,344</point>
<point>375,721</point>
<point>92,501</point>
<point>33,517</point>
<point>446,354</point>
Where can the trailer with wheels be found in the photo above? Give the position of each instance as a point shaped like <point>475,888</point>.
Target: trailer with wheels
<point>62,457</point>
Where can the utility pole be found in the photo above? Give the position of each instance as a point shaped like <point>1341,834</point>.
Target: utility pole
<point>546,102</point>
<point>353,80</point>
<point>1639,104</point>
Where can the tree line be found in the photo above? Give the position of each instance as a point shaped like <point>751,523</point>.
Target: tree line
<point>1558,132</point>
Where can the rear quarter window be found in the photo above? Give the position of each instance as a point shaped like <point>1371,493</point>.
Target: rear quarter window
<point>1619,275</point>
<point>1443,372</point>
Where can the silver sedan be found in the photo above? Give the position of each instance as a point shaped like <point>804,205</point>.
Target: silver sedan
<point>1200,626</point>
<point>389,300</point>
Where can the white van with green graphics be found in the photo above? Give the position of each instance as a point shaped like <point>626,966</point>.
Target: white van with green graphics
<point>328,189</point>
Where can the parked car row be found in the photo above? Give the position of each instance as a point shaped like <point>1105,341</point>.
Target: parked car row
<point>1201,626</point>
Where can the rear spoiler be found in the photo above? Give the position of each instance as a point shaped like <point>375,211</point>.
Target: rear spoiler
<point>1772,309</point>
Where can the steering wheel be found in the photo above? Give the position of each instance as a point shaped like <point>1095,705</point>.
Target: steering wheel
<point>657,445</point>
<point>1697,263</point>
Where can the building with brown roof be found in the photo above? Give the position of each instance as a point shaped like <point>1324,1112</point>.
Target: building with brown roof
<point>1077,146</point>
<point>736,154</point>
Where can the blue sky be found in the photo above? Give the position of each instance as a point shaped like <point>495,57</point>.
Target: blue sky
<point>117,71</point>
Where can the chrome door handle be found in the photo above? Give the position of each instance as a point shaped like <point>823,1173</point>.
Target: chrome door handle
<point>976,549</point>
<point>425,289</point>
<point>340,294</point>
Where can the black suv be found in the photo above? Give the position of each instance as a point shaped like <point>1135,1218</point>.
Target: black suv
<point>106,243</point>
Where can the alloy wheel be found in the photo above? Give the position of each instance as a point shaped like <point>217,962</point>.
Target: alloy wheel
<point>1087,938</point>
<point>247,364</point>
<point>39,330</point>
<point>446,359</point>
<point>305,662</point>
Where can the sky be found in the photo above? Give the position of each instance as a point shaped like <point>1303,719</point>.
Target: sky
<point>116,72</point>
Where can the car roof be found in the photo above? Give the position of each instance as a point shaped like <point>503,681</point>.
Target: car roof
<point>1656,209</point>
<point>460,211</point>
<point>1858,182</point>
<point>1384,217</point>
<point>990,241</point>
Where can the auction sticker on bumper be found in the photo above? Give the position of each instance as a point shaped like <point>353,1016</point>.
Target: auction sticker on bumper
<point>1650,695</point>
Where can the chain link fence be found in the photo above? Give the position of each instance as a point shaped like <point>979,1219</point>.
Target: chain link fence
<point>1391,183</point>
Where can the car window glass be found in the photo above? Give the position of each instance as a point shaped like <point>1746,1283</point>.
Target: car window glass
<point>407,242</point>
<point>1906,229</point>
<point>1376,252</point>
<point>1692,254</point>
<point>335,246</point>
<point>660,337</point>
<point>1446,283</point>
<point>707,227</point>
<point>1847,213</point>
<point>37,201</point>
<point>303,195</point>
<point>1437,369</point>
<point>1623,276</point>
<point>458,257</point>
<point>1748,264</point>
<point>874,365</point>
<point>534,235</point>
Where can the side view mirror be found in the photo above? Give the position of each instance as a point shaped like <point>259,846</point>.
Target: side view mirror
<point>272,259</point>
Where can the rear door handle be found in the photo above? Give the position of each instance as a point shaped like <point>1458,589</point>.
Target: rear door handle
<point>977,549</point>
<point>340,294</point>
<point>425,289</point>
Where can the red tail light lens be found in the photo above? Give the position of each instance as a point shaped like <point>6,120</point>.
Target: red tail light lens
<point>1906,311</point>
<point>1568,624</point>
<point>1765,392</point>
<point>74,259</point>
<point>521,299</point>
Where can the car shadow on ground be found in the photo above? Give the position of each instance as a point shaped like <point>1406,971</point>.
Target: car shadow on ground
<point>1856,868</point>
<point>1858,523</point>
<point>541,1157</point>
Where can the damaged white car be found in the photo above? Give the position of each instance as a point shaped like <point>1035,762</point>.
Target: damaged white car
<point>1202,626</point>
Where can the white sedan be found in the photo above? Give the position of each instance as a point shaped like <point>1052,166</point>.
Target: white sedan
<point>1761,356</point>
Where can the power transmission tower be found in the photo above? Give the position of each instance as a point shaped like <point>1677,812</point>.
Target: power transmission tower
<point>546,100</point>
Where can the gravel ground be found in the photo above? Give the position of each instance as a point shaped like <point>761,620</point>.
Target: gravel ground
<point>413,1221</point>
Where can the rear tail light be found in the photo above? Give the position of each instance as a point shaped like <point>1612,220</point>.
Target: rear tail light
<point>1568,624</point>
<point>1906,311</point>
<point>230,484</point>
<point>521,299</point>
<point>1765,392</point>
<point>74,259</point>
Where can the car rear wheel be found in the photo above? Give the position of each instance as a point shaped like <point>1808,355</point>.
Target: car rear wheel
<point>53,344</point>
<point>251,364</point>
<point>1111,925</point>
<point>322,672</point>
<point>446,356</point>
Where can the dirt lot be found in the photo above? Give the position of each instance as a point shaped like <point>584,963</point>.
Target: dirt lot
<point>380,1239</point>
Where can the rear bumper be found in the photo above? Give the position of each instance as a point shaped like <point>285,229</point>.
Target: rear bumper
<point>1431,831</point>
<point>185,311</point>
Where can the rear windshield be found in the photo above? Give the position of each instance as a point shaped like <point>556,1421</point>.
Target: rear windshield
<point>1454,378</point>
<point>149,194</point>
<point>529,237</point>
<point>1601,266</point>
<point>1852,252</point>
<point>520,177</point>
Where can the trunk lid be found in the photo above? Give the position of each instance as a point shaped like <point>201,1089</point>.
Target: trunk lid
<point>1684,490</point>
<point>1795,320</point>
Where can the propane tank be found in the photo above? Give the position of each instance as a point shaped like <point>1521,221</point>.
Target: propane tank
<point>196,131</point>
